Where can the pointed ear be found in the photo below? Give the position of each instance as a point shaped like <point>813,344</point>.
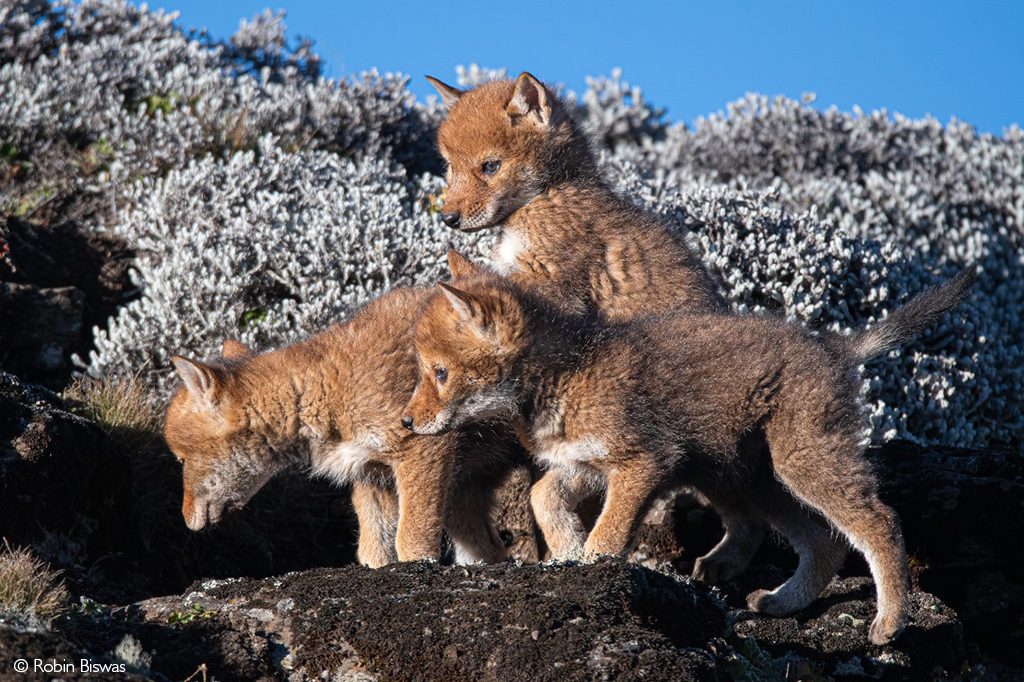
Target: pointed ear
<point>462,267</point>
<point>467,307</point>
<point>530,99</point>
<point>233,350</point>
<point>200,379</point>
<point>449,95</point>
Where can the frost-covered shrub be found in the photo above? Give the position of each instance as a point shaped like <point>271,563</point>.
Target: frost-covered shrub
<point>474,75</point>
<point>262,43</point>
<point>618,114</point>
<point>266,201</point>
<point>266,247</point>
<point>939,197</point>
<point>99,93</point>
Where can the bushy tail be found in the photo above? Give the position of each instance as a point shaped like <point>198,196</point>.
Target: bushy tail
<point>906,322</point>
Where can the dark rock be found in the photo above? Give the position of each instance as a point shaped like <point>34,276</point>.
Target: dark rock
<point>39,327</point>
<point>61,254</point>
<point>962,519</point>
<point>609,620</point>
<point>61,476</point>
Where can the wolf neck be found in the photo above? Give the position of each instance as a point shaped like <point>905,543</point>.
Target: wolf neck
<point>568,207</point>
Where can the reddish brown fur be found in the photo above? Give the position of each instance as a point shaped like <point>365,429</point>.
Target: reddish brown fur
<point>564,231</point>
<point>334,403</point>
<point>641,407</point>
<point>568,236</point>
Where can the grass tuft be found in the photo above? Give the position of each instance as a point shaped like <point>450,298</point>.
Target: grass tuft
<point>122,406</point>
<point>31,594</point>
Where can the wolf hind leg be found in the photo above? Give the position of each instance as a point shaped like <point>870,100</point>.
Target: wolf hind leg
<point>743,536</point>
<point>829,473</point>
<point>820,551</point>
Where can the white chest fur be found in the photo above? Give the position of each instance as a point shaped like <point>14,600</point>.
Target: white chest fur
<point>344,461</point>
<point>553,449</point>
<point>506,254</point>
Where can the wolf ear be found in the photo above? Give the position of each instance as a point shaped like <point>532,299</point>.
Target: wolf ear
<point>464,305</point>
<point>531,100</point>
<point>233,350</point>
<point>461,267</point>
<point>200,380</point>
<point>449,95</point>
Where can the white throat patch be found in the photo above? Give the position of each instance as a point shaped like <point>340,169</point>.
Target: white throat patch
<point>506,254</point>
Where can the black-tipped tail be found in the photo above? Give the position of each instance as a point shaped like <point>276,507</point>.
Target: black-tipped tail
<point>906,322</point>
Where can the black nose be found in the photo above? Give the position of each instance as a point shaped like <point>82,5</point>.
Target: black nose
<point>451,219</point>
<point>407,422</point>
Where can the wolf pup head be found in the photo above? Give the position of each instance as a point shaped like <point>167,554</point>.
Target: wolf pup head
<point>468,342</point>
<point>505,142</point>
<point>225,460</point>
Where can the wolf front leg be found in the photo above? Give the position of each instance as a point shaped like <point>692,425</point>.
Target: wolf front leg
<point>629,492</point>
<point>377,510</point>
<point>554,499</point>
<point>423,477</point>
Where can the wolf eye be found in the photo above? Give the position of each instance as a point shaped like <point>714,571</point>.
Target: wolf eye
<point>490,167</point>
<point>441,374</point>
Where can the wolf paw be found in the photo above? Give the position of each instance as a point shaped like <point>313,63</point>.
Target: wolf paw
<point>885,629</point>
<point>716,570</point>
<point>768,603</point>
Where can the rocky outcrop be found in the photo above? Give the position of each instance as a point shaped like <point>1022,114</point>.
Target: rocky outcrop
<point>611,620</point>
<point>507,622</point>
<point>60,475</point>
<point>962,519</point>
<point>63,478</point>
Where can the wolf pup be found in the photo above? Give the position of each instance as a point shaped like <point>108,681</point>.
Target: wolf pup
<point>665,401</point>
<point>517,158</point>
<point>332,404</point>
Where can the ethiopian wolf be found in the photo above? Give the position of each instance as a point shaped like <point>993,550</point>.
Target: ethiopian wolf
<point>650,404</point>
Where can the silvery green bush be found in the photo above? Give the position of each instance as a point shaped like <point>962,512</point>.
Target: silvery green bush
<point>266,246</point>
<point>265,201</point>
<point>933,197</point>
<point>98,94</point>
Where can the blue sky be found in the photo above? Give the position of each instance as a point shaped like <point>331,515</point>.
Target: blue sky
<point>939,57</point>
